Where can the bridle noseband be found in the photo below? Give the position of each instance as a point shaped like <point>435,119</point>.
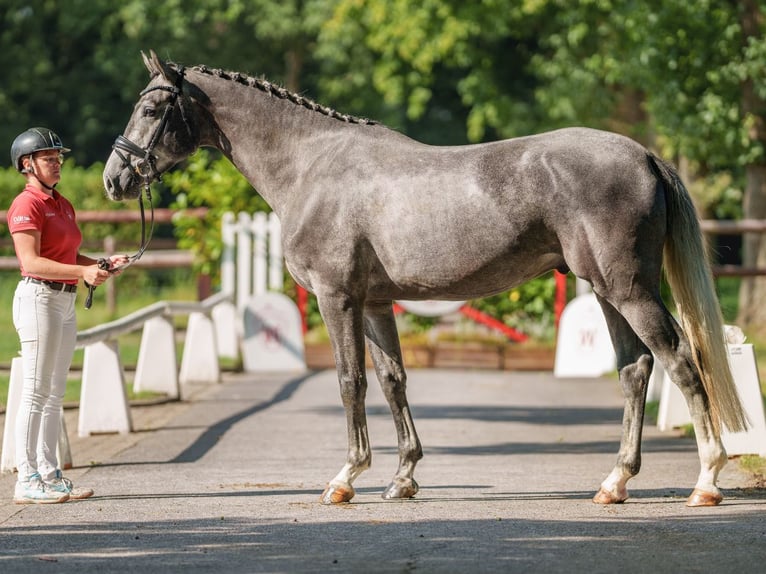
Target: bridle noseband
<point>146,167</point>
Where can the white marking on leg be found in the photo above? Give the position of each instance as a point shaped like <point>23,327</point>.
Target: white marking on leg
<point>347,475</point>
<point>616,483</point>
<point>712,459</point>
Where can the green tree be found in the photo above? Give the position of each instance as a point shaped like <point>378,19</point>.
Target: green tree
<point>75,65</point>
<point>419,55</point>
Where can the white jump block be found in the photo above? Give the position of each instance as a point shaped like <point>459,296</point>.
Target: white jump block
<point>272,338</point>
<point>226,330</point>
<point>654,392</point>
<point>63,452</point>
<point>8,458</point>
<point>674,411</point>
<point>745,372</point>
<point>431,308</point>
<point>16,383</point>
<point>583,347</point>
<point>104,404</point>
<point>157,366</point>
<point>200,357</point>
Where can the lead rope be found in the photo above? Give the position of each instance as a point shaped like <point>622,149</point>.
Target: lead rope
<point>106,265</point>
<point>145,239</point>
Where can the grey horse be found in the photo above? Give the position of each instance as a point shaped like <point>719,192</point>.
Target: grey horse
<point>370,216</point>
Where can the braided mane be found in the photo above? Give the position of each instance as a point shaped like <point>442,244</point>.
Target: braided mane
<point>282,93</point>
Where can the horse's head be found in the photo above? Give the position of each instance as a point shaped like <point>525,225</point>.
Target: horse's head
<point>160,133</point>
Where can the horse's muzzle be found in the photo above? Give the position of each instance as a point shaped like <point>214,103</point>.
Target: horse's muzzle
<point>122,186</point>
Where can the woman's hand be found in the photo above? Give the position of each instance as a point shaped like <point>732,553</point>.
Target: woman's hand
<point>93,275</point>
<point>117,262</point>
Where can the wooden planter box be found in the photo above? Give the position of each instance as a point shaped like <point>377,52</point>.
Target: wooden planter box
<point>445,355</point>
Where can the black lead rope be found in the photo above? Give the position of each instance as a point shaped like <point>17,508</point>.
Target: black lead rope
<point>102,264</point>
<point>145,239</point>
<point>106,265</point>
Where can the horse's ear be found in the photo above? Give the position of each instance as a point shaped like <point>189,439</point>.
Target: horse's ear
<point>153,71</point>
<point>157,67</point>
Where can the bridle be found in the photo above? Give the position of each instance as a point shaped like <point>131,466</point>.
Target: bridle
<point>146,167</point>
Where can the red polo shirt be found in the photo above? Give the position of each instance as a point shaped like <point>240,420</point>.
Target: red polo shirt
<point>54,217</point>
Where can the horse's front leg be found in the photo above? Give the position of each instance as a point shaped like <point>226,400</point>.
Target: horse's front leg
<point>383,343</point>
<point>343,318</point>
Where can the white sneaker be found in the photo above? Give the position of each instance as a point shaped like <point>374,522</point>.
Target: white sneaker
<point>62,485</point>
<point>34,491</point>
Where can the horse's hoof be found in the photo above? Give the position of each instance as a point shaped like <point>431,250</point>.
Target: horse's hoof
<point>335,494</point>
<point>703,498</point>
<point>604,496</point>
<point>401,489</point>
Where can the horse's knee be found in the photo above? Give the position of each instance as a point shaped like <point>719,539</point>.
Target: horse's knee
<point>352,387</point>
<point>644,366</point>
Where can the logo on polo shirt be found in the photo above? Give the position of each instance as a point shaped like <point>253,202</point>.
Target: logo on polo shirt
<point>21,218</point>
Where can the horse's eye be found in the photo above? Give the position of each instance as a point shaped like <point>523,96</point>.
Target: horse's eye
<point>148,112</point>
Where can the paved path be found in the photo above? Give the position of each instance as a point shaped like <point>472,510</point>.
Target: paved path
<point>230,480</point>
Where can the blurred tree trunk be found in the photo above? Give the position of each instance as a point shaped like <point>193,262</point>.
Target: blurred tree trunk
<point>294,68</point>
<point>752,295</point>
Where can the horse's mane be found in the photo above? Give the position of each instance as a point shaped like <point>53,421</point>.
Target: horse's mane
<point>282,93</point>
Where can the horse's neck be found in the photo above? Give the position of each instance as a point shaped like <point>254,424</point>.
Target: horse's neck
<point>262,135</point>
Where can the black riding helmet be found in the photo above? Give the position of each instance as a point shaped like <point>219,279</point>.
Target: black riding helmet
<point>32,140</point>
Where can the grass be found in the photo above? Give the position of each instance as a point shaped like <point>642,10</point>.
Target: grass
<point>756,467</point>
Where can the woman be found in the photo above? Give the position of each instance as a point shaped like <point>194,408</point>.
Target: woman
<point>47,241</point>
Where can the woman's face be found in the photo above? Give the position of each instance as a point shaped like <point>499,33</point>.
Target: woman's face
<point>46,166</point>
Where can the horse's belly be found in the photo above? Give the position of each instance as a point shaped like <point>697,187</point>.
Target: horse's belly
<point>458,277</point>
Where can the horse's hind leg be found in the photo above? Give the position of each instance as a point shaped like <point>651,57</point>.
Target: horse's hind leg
<point>383,343</point>
<point>652,322</point>
<point>634,364</point>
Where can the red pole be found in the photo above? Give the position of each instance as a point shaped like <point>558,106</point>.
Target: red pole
<point>560,300</point>
<point>303,301</point>
<point>484,319</point>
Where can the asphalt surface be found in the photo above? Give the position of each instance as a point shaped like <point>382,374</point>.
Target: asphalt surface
<point>229,481</point>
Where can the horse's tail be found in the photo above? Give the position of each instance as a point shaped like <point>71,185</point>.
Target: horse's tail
<point>691,282</point>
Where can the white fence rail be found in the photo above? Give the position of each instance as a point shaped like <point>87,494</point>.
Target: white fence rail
<point>104,407</point>
<point>251,262</point>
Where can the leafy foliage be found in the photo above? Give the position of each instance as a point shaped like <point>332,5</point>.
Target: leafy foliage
<point>210,180</point>
<point>527,308</point>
